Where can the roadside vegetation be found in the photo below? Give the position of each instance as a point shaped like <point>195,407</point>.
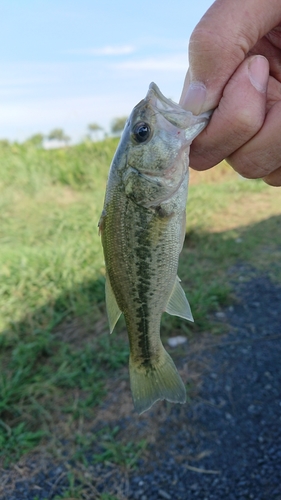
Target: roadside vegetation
<point>56,356</point>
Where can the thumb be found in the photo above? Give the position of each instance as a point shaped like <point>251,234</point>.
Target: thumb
<point>218,45</point>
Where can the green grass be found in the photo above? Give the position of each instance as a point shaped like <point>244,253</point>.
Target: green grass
<point>109,449</point>
<point>49,238</point>
<point>56,357</point>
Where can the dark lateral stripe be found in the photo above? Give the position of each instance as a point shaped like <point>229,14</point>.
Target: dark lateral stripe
<point>143,257</point>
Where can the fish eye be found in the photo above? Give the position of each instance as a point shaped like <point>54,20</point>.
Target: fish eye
<point>141,132</point>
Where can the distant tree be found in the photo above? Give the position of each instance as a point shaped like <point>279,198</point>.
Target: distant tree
<point>35,140</point>
<point>57,134</point>
<point>118,124</point>
<point>94,129</point>
<point>4,143</point>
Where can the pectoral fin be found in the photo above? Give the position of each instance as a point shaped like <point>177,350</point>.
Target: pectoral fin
<point>113,311</point>
<point>178,304</point>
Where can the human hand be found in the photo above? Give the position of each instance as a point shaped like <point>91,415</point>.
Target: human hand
<point>235,68</point>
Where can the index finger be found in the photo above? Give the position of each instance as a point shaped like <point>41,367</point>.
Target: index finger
<point>221,41</point>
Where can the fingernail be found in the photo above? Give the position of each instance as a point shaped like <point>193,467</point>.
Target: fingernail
<point>258,73</point>
<point>194,98</point>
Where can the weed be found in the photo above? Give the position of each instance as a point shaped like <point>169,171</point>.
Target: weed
<point>109,448</point>
<point>117,452</point>
<point>52,275</point>
<point>17,440</point>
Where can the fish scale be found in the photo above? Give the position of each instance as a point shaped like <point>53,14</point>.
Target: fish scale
<point>142,228</point>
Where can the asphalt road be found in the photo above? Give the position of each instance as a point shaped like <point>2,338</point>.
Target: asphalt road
<point>236,418</point>
<point>225,444</point>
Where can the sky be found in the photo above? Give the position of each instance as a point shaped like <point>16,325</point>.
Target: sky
<point>68,63</point>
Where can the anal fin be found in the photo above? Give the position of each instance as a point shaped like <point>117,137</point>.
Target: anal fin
<point>112,308</point>
<point>178,304</point>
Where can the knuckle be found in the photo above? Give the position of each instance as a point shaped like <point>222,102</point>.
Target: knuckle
<point>274,178</point>
<point>243,121</point>
<point>247,123</point>
<point>246,166</point>
<point>209,46</point>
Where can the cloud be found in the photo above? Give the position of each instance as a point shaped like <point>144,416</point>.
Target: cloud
<point>171,63</point>
<point>23,77</point>
<point>39,96</point>
<point>20,120</point>
<point>107,50</point>
<point>20,82</point>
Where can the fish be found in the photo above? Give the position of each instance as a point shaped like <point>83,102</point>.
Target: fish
<point>142,228</point>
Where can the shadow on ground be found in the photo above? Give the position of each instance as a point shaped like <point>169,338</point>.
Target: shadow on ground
<point>224,443</point>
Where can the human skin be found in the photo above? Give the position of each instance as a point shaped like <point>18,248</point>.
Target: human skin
<point>235,69</point>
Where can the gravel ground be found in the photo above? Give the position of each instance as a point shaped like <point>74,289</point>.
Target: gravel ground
<point>226,444</point>
<point>238,413</point>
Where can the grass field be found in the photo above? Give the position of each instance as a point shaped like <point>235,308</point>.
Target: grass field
<point>55,352</point>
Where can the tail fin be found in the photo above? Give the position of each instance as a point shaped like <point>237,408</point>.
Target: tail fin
<point>161,381</point>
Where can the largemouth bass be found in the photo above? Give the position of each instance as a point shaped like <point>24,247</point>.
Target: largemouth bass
<point>142,229</point>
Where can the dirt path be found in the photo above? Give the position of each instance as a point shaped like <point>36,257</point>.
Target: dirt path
<point>224,444</point>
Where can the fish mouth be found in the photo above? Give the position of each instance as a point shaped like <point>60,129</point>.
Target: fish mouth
<point>150,176</point>
<point>155,92</point>
<point>159,181</point>
<point>165,174</point>
<point>153,177</point>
